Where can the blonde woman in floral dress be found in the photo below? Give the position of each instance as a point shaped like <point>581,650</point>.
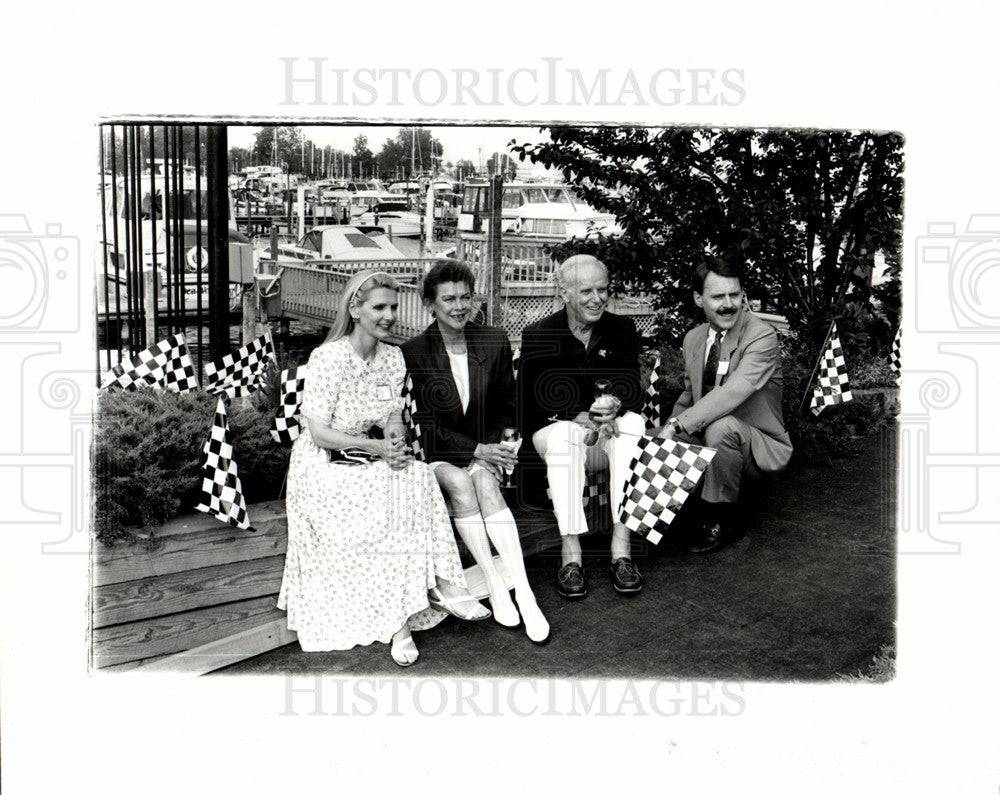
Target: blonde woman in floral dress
<point>368,531</point>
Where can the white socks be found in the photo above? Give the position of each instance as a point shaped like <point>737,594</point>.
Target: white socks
<point>503,533</point>
<point>473,534</point>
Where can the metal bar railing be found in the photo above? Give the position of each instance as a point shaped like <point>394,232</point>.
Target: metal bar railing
<point>153,225</point>
<point>104,253</point>
<point>199,264</point>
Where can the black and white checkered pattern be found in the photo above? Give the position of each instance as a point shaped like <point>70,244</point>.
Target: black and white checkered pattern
<point>240,373</point>
<point>664,474</point>
<point>651,405</point>
<point>895,360</point>
<point>287,424</point>
<point>594,488</point>
<point>222,493</point>
<point>832,385</point>
<point>165,365</point>
<point>409,412</point>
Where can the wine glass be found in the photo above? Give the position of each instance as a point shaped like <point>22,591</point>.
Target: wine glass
<point>509,438</point>
<point>602,389</point>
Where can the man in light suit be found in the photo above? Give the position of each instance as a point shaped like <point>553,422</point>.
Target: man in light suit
<point>731,399</point>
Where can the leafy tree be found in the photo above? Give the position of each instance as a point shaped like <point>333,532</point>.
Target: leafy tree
<point>464,168</point>
<point>809,214</point>
<point>362,157</point>
<point>178,138</point>
<point>239,157</point>
<point>413,151</point>
<point>507,166</point>
<point>289,146</point>
<point>331,161</point>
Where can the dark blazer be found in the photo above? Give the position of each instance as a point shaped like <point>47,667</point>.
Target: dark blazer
<point>447,432</point>
<point>556,373</point>
<point>750,390</point>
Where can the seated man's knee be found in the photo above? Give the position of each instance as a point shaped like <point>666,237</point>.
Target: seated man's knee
<point>557,437</point>
<point>458,488</point>
<point>726,429</point>
<point>631,424</point>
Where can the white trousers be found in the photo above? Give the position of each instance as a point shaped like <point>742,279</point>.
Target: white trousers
<point>568,459</point>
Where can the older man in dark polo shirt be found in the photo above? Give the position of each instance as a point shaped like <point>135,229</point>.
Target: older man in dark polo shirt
<point>562,356</point>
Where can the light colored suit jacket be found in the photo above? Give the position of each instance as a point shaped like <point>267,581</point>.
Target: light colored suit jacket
<point>750,390</point>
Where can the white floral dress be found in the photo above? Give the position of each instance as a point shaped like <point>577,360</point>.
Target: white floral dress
<point>364,542</point>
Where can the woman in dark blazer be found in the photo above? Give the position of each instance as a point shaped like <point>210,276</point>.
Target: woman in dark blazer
<point>463,385</point>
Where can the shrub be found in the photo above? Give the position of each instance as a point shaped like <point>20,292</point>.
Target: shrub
<point>834,433</point>
<point>870,372</point>
<point>148,454</point>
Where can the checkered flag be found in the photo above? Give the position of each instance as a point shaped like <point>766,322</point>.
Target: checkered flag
<point>287,423</point>
<point>894,352</point>
<point>240,373</point>
<point>664,473</point>
<point>651,405</point>
<point>409,412</point>
<point>166,365</point>
<point>596,487</point>
<point>832,386</point>
<point>222,494</point>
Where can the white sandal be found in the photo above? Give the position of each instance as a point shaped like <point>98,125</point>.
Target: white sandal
<point>450,606</point>
<point>397,649</point>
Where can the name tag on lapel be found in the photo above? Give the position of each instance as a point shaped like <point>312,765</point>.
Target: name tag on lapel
<point>382,392</point>
<point>723,368</point>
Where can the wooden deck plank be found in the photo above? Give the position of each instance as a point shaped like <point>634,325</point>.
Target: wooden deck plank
<point>138,640</point>
<point>215,545</point>
<point>225,651</point>
<point>262,516</point>
<point>149,597</point>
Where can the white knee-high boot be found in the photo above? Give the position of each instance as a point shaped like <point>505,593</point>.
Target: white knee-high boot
<point>502,529</point>
<point>473,533</point>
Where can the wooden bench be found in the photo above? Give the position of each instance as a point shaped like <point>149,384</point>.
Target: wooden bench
<point>204,596</point>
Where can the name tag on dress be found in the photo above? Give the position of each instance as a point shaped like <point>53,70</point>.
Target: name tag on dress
<point>723,368</point>
<point>382,392</point>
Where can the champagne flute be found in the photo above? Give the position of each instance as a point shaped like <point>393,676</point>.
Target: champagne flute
<point>509,438</point>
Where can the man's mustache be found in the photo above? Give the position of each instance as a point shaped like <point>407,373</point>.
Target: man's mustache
<point>727,311</point>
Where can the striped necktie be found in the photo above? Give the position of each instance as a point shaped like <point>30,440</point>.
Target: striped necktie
<point>711,365</point>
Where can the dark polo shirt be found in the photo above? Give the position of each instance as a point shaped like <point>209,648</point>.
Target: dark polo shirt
<point>557,373</point>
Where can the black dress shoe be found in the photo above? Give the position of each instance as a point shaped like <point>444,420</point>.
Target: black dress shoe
<point>625,576</point>
<point>570,583</point>
<point>712,538</point>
